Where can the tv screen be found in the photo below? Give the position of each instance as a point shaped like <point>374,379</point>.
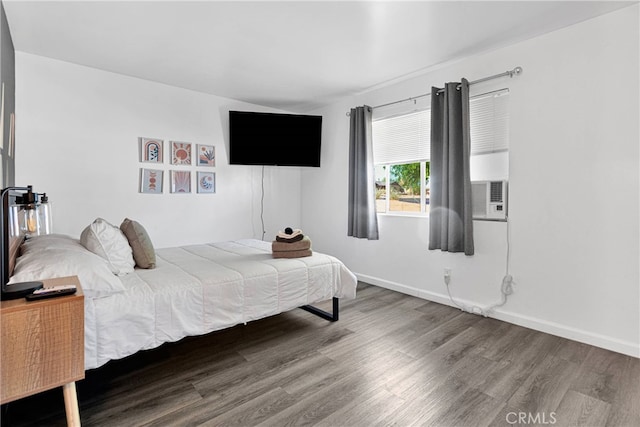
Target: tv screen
<point>274,139</point>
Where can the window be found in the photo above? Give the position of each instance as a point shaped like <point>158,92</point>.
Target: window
<point>401,152</point>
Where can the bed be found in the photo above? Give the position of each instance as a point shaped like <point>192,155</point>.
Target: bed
<point>192,290</point>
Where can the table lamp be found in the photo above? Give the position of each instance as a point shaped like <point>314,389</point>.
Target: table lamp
<point>22,215</point>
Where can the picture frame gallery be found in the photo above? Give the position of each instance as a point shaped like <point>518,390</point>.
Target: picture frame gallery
<point>182,155</point>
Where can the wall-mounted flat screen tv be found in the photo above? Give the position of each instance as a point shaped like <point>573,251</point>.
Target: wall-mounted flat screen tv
<point>274,139</point>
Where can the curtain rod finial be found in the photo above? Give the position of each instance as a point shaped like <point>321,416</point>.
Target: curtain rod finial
<point>516,71</point>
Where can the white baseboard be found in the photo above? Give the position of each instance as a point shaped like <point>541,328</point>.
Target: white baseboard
<point>552,328</point>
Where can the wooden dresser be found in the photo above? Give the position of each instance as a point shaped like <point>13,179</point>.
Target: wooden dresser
<point>42,346</point>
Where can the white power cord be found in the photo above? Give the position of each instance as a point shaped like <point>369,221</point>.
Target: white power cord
<point>506,288</point>
<point>262,205</point>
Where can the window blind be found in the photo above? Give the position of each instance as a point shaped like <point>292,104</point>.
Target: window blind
<point>405,138</point>
<point>402,139</point>
<point>489,122</point>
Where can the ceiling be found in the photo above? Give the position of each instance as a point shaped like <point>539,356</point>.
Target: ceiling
<point>290,55</point>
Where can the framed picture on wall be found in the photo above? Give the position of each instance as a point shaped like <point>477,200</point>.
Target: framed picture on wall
<point>206,155</point>
<point>150,150</point>
<point>180,153</point>
<point>151,181</point>
<point>206,182</point>
<point>181,181</point>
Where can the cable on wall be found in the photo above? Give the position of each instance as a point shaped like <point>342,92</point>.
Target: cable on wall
<point>262,205</point>
<point>506,288</point>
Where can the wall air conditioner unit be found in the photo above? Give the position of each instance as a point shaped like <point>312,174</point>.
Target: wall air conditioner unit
<point>489,200</point>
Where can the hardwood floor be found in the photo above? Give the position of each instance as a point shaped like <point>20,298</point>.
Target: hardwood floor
<point>391,360</point>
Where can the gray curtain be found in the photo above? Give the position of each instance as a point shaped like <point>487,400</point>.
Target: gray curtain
<point>450,216</point>
<point>363,222</point>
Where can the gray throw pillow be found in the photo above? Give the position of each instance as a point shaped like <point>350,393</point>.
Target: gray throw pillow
<point>143,252</point>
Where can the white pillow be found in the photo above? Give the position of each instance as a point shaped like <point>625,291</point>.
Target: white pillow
<point>108,242</point>
<point>49,262</point>
<point>51,241</point>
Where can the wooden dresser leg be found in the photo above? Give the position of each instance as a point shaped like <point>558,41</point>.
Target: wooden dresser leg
<point>71,404</point>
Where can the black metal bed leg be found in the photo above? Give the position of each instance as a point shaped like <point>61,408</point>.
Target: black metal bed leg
<point>332,317</point>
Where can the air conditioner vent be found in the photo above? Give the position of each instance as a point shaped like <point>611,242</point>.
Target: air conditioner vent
<point>496,192</point>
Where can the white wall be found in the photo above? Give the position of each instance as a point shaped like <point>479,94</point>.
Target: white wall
<point>574,190</point>
<point>77,140</point>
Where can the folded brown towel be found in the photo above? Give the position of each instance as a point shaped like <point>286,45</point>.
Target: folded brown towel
<point>293,254</point>
<point>301,245</point>
<point>297,238</point>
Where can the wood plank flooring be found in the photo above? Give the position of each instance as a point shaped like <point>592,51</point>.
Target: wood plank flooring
<point>391,360</point>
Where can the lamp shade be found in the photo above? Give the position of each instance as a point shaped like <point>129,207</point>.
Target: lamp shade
<point>44,215</point>
<point>30,215</point>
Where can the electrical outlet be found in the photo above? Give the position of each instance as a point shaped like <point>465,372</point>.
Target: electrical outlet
<point>447,276</point>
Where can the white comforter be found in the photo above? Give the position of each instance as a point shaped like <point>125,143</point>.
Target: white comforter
<point>202,288</point>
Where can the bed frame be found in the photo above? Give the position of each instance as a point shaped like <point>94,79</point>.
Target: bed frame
<point>332,317</point>
<point>314,300</point>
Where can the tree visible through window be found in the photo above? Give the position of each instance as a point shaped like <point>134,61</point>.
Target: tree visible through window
<point>402,187</point>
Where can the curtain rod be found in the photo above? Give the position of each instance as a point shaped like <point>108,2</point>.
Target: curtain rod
<point>516,71</point>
